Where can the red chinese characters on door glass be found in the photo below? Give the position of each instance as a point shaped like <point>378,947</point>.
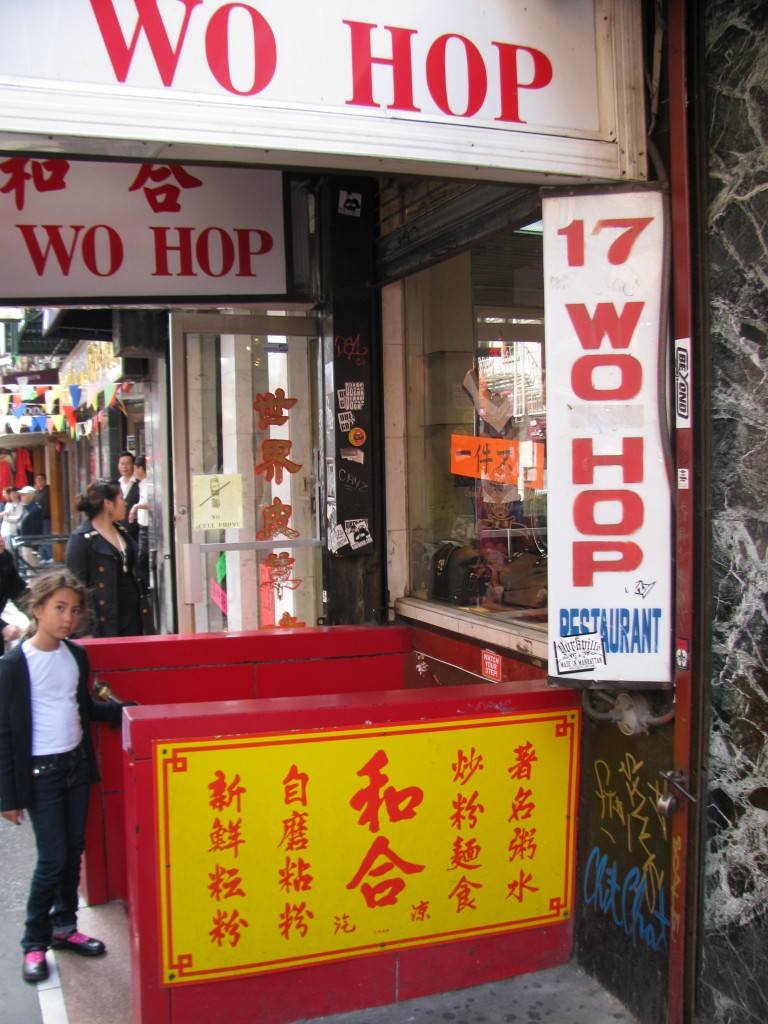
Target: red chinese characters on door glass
<point>275,451</point>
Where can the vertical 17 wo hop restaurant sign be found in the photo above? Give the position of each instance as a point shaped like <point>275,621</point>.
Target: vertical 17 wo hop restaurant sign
<point>610,547</point>
<point>83,230</point>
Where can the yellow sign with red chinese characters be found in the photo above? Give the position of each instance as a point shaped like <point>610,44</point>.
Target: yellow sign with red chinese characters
<point>277,851</point>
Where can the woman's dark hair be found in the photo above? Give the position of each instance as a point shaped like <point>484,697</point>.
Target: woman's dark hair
<point>91,500</point>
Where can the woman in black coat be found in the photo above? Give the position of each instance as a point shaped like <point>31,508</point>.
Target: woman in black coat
<point>12,588</point>
<point>102,555</point>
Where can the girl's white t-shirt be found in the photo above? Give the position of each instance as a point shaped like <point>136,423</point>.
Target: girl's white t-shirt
<point>53,677</point>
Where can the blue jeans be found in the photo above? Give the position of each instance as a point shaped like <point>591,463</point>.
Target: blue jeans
<point>45,550</point>
<point>58,813</point>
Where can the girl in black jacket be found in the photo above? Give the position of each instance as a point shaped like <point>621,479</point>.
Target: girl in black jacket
<point>47,762</point>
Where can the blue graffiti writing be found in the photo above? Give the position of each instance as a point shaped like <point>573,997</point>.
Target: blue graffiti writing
<point>625,901</point>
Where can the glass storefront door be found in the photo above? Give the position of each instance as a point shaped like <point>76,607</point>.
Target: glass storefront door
<point>246,411</point>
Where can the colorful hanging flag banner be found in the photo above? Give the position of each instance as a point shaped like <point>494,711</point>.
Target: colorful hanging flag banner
<point>75,394</point>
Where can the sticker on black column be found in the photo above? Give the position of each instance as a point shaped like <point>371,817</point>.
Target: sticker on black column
<point>357,532</point>
<point>350,204</point>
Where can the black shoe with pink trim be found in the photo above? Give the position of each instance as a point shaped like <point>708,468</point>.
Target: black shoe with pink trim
<point>79,943</point>
<point>35,967</point>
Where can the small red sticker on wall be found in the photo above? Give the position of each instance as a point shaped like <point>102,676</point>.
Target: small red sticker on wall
<point>357,437</point>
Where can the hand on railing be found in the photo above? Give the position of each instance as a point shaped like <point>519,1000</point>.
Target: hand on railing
<point>103,691</point>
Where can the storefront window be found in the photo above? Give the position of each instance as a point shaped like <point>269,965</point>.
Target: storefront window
<point>477,468</point>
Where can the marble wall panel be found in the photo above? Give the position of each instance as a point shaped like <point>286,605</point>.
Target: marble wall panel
<point>734,961</point>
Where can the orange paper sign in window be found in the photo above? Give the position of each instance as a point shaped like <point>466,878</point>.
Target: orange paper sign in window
<point>498,459</point>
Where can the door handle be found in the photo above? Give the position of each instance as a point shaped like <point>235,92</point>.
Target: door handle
<point>674,783</point>
<point>191,573</point>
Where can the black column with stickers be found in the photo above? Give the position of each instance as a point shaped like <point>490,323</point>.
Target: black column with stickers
<point>354,478</point>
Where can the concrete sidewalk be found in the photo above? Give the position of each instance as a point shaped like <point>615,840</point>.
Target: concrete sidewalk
<point>98,991</point>
<point>21,1003</point>
<point>79,990</point>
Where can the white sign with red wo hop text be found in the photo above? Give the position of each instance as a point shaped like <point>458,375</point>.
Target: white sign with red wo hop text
<point>80,230</point>
<point>609,505</point>
<point>501,87</point>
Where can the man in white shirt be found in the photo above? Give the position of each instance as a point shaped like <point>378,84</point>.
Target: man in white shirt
<point>129,485</point>
<point>139,514</point>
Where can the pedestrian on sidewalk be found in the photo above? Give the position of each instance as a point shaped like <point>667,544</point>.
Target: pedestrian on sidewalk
<point>30,524</point>
<point>43,499</point>
<point>140,514</point>
<point>11,513</point>
<point>12,588</point>
<point>47,762</point>
<point>102,555</point>
<point>129,485</point>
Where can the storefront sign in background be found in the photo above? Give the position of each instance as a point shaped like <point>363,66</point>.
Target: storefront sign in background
<point>81,230</point>
<point>279,851</point>
<point>245,75</point>
<point>609,507</point>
